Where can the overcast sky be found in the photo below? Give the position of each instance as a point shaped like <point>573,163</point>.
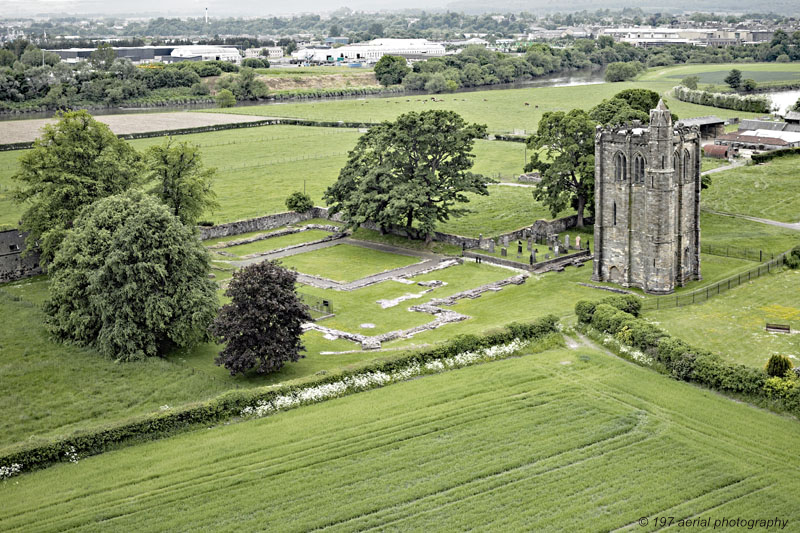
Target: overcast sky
<point>216,8</point>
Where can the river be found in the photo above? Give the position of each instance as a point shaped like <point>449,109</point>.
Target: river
<point>784,100</point>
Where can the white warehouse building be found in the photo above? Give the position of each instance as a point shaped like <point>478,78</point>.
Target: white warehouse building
<point>206,53</point>
<point>373,50</point>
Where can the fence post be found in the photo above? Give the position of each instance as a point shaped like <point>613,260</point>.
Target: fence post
<point>761,255</point>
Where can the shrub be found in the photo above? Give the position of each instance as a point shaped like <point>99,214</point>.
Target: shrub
<point>585,310</point>
<point>299,202</point>
<point>620,71</point>
<point>793,258</point>
<point>778,365</point>
<point>225,98</point>
<point>255,62</point>
<point>751,103</point>
<point>628,303</point>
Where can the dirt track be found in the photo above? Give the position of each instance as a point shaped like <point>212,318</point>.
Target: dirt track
<point>14,131</point>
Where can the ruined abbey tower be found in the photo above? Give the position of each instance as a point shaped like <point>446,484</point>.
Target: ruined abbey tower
<point>647,204</point>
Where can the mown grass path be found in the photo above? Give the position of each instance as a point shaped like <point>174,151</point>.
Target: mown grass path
<point>561,440</point>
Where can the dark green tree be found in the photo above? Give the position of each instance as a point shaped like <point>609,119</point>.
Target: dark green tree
<point>749,85</point>
<point>75,162</point>
<point>734,78</point>
<point>390,70</point>
<point>261,327</point>
<point>563,153</point>
<point>411,172</point>
<point>181,180</point>
<point>778,365</point>
<point>103,57</point>
<point>299,202</point>
<point>131,281</point>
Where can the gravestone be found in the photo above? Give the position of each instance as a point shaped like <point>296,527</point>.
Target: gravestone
<point>519,248</point>
<point>504,252</point>
<point>491,246</point>
<point>480,240</point>
<point>533,256</point>
<point>505,241</point>
<point>566,242</point>
<point>530,244</point>
<point>555,249</point>
<point>578,242</point>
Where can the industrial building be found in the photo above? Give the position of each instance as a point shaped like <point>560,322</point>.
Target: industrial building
<point>152,54</point>
<point>372,51</point>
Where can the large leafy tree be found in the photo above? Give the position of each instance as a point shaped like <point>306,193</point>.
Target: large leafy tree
<point>390,70</point>
<point>76,161</point>
<point>412,172</point>
<point>261,327</point>
<point>181,180</point>
<point>563,153</point>
<point>627,105</point>
<point>130,280</point>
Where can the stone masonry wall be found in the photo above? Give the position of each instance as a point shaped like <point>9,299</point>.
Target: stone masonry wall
<point>13,265</point>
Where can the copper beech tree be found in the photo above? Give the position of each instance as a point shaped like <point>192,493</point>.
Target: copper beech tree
<point>262,324</point>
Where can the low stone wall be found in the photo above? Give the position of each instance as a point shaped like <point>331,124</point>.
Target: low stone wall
<point>539,267</point>
<point>541,229</point>
<point>264,223</point>
<point>13,265</point>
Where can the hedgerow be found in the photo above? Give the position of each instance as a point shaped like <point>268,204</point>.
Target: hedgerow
<point>657,348</point>
<point>236,403</point>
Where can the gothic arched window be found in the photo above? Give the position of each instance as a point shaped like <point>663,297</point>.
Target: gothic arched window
<point>687,161</point>
<point>638,168</point>
<point>620,167</point>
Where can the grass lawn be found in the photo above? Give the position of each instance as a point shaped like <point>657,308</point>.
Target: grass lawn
<point>732,324</point>
<point>505,209</point>
<point>274,243</point>
<point>770,190</point>
<point>354,308</point>
<point>345,262</point>
<point>730,231</point>
<point>709,163</point>
<point>519,444</point>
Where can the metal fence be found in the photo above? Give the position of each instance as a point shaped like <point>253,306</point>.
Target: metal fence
<point>703,294</point>
<point>322,306</point>
<point>749,254</point>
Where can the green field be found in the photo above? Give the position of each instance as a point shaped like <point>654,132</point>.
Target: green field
<point>733,323</point>
<point>728,231</point>
<point>259,167</point>
<point>558,440</point>
<point>345,262</point>
<point>505,111</point>
<point>769,190</point>
<point>715,73</point>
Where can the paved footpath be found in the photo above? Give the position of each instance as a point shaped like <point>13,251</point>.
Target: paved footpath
<point>428,261</point>
<point>787,225</point>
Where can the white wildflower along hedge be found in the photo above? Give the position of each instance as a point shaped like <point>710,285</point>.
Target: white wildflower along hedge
<point>461,351</point>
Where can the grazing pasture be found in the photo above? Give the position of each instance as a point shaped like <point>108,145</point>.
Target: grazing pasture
<point>556,440</point>
<point>769,190</point>
<point>733,324</point>
<point>345,262</point>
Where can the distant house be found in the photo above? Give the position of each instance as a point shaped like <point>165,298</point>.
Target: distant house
<point>760,139</point>
<point>336,40</point>
<point>13,265</point>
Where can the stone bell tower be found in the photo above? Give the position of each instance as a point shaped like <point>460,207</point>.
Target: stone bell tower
<point>647,204</point>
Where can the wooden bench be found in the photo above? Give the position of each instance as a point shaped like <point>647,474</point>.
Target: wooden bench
<point>778,328</point>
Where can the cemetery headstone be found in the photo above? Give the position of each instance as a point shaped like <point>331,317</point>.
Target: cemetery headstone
<point>578,242</point>
<point>505,241</point>
<point>566,242</point>
<point>504,252</point>
<point>519,248</point>
<point>530,244</point>
<point>533,256</point>
<point>491,246</point>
